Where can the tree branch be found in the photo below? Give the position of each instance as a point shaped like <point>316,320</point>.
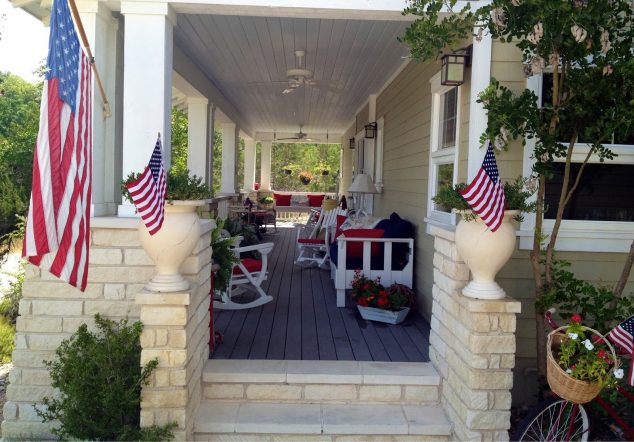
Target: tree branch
<point>625,274</point>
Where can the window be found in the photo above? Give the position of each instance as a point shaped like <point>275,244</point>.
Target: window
<point>443,146</point>
<point>600,217</point>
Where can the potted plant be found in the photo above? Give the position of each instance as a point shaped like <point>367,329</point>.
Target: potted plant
<point>180,232</point>
<point>222,244</point>
<point>580,362</point>
<point>287,171</point>
<point>484,251</point>
<point>305,177</point>
<point>377,303</point>
<point>266,202</point>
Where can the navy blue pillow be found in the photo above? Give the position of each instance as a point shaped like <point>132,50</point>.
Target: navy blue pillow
<point>397,227</point>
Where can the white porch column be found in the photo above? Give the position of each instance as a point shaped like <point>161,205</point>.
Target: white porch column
<point>211,127</point>
<point>265,166</point>
<point>229,151</point>
<point>147,85</point>
<point>249,164</point>
<point>101,29</point>
<point>197,136</point>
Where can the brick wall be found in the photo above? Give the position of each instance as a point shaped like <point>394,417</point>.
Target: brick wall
<point>51,311</point>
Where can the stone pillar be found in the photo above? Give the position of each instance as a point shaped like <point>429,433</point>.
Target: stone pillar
<point>101,29</point>
<point>249,164</point>
<point>147,85</point>
<point>229,154</point>
<point>265,166</point>
<point>176,332</point>
<point>197,134</point>
<point>472,347</point>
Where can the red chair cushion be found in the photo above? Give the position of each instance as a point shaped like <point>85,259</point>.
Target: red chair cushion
<point>252,265</point>
<point>340,220</point>
<point>311,241</point>
<point>282,200</point>
<point>316,200</point>
<point>355,248</point>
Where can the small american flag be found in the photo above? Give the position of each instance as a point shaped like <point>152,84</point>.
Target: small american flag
<point>623,335</point>
<point>148,191</point>
<point>485,194</point>
<point>58,226</point>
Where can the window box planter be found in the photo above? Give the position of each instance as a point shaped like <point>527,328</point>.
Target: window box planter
<point>380,315</point>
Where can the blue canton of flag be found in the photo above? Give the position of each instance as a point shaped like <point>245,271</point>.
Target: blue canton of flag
<point>63,58</point>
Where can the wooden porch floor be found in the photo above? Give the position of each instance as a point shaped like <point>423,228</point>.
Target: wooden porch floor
<point>303,322</point>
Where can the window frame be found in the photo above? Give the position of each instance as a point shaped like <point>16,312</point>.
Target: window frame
<point>439,156</point>
<point>578,235</point>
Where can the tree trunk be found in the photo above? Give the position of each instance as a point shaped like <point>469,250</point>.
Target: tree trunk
<point>625,274</point>
<point>540,333</point>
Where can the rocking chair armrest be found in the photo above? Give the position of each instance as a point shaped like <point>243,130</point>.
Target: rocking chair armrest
<point>265,248</point>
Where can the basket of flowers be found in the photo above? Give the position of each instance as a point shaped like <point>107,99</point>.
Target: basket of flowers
<point>378,303</point>
<point>266,202</point>
<point>580,362</point>
<point>305,177</point>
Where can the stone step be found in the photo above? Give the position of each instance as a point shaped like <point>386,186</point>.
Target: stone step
<point>227,420</point>
<point>321,382</point>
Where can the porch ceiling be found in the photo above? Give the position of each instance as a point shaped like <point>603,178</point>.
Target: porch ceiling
<point>247,57</point>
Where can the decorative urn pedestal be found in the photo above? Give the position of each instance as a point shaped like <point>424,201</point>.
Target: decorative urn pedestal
<point>172,244</point>
<point>485,253</point>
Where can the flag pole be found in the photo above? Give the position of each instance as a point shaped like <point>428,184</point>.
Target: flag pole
<point>84,39</point>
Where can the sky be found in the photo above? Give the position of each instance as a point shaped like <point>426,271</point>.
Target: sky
<point>24,42</point>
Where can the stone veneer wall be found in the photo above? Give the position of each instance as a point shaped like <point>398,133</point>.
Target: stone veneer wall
<point>472,347</point>
<point>51,311</point>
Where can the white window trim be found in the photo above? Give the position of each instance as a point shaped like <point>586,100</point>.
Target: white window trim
<point>437,156</point>
<point>576,235</point>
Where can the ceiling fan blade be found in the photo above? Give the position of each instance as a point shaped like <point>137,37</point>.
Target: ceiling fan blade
<point>291,138</point>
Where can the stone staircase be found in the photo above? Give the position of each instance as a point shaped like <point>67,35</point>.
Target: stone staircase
<point>321,401</point>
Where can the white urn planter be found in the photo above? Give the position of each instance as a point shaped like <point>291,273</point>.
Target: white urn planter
<point>172,244</point>
<point>485,253</point>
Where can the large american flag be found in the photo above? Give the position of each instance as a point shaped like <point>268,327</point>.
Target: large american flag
<point>485,194</point>
<point>623,335</point>
<point>148,191</point>
<point>58,226</point>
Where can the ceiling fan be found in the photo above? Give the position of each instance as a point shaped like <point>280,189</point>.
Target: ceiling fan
<point>298,75</point>
<point>299,136</point>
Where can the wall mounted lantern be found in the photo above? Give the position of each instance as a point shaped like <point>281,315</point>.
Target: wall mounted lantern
<point>352,143</point>
<point>370,130</point>
<point>453,67</point>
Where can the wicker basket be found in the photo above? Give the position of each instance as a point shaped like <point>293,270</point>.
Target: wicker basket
<point>562,384</point>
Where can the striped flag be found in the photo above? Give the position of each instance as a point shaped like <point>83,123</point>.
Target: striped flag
<point>148,191</point>
<point>485,194</point>
<point>623,335</point>
<point>58,226</point>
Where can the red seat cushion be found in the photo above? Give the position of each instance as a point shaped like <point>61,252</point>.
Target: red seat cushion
<point>252,265</point>
<point>355,248</point>
<point>311,241</point>
<point>340,220</point>
<point>316,200</point>
<point>282,200</point>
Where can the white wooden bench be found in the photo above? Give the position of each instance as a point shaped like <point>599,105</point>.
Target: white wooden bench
<point>342,277</point>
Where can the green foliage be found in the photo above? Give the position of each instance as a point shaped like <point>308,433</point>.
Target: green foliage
<point>305,157</point>
<point>19,119</point>
<point>266,200</point>
<point>9,305</point>
<point>7,335</point>
<point>371,293</point>
<point>99,378</point>
<point>223,255</point>
<point>180,186</point>
<point>599,306</point>
<point>179,140</point>
<point>517,193</point>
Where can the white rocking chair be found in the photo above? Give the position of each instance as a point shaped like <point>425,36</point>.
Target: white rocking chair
<point>314,249</point>
<point>248,274</point>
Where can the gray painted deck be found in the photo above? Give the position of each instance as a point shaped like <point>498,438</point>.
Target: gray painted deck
<point>303,322</point>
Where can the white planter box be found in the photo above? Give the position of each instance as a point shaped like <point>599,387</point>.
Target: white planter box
<point>377,314</point>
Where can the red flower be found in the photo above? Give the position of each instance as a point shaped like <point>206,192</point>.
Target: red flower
<point>382,302</point>
<point>382,293</point>
<point>597,339</point>
<point>366,286</point>
<point>576,318</point>
<point>362,302</point>
<point>602,354</point>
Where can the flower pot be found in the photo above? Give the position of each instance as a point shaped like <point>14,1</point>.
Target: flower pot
<point>485,253</point>
<point>380,315</point>
<point>172,244</point>
<point>305,181</point>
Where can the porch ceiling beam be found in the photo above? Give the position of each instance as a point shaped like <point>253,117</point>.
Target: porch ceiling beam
<point>184,66</point>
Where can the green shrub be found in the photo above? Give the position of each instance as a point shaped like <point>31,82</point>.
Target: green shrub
<point>99,377</point>
<point>11,296</point>
<point>7,334</point>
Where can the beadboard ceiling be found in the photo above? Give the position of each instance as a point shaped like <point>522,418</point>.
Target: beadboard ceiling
<point>245,57</point>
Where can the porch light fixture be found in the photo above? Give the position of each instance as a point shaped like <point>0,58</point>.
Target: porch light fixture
<point>370,130</point>
<point>453,67</point>
<point>351,143</point>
